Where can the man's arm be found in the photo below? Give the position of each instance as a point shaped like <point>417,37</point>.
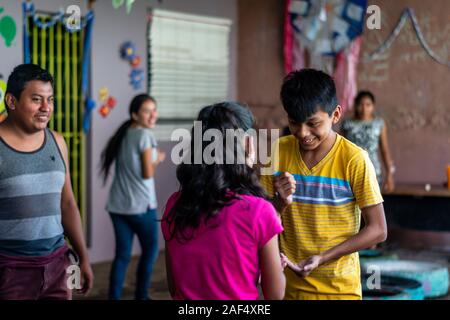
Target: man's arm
<point>374,231</point>
<point>71,222</point>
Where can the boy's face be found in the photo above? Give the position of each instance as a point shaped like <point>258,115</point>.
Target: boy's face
<point>315,130</point>
<point>35,106</point>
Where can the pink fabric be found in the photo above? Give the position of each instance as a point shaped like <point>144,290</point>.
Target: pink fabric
<point>288,40</point>
<point>294,51</point>
<point>345,74</point>
<point>222,262</point>
<point>298,55</point>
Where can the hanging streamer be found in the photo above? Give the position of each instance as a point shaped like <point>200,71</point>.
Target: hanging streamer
<point>408,12</point>
<point>89,103</point>
<point>345,74</point>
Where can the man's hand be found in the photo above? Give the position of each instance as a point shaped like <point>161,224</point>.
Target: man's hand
<point>87,278</point>
<point>284,185</point>
<point>305,267</point>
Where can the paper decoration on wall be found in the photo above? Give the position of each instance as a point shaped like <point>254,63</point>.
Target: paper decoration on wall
<point>330,31</point>
<point>128,53</point>
<point>408,12</point>
<point>345,74</point>
<point>326,27</point>
<point>8,29</point>
<point>2,96</point>
<point>103,94</point>
<point>61,35</point>
<point>108,102</point>
<point>118,3</point>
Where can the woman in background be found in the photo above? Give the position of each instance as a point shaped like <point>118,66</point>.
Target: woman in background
<point>369,132</point>
<point>132,199</point>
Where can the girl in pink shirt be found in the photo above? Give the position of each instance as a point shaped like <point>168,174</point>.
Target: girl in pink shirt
<point>220,232</point>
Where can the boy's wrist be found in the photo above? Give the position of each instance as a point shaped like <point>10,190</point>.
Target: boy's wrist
<point>281,200</point>
<point>279,203</point>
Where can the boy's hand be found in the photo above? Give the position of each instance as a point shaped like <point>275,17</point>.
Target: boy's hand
<point>305,267</point>
<point>285,186</point>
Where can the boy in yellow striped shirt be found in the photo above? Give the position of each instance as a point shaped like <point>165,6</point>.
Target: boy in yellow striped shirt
<point>321,184</point>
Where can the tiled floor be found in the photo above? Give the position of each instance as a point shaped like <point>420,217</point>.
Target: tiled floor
<point>159,289</point>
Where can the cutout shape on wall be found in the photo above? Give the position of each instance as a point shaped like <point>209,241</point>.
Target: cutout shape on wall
<point>103,94</point>
<point>108,102</point>
<point>8,29</point>
<point>386,45</point>
<point>128,53</point>
<point>118,3</point>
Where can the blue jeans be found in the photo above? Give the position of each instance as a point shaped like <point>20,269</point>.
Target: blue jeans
<point>125,226</point>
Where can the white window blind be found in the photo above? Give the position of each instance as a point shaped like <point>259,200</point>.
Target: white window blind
<point>188,66</point>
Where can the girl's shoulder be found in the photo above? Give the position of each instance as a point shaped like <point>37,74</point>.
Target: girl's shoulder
<point>378,121</point>
<point>256,204</point>
<point>140,131</point>
<point>143,136</point>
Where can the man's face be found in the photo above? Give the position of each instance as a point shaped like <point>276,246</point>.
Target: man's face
<point>35,106</point>
<point>315,130</point>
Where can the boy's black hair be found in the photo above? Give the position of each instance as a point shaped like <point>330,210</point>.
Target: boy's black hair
<point>21,75</point>
<point>307,91</point>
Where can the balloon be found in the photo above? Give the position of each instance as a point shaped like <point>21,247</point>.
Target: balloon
<point>104,111</point>
<point>8,29</point>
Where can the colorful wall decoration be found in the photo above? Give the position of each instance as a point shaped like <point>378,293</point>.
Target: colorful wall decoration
<point>128,53</point>
<point>8,28</point>
<point>118,3</point>
<point>64,52</point>
<point>108,102</point>
<point>330,31</point>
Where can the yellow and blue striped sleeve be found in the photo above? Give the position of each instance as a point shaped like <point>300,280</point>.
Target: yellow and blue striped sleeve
<point>363,181</point>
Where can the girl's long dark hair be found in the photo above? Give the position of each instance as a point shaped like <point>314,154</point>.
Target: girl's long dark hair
<point>207,188</point>
<point>109,154</point>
